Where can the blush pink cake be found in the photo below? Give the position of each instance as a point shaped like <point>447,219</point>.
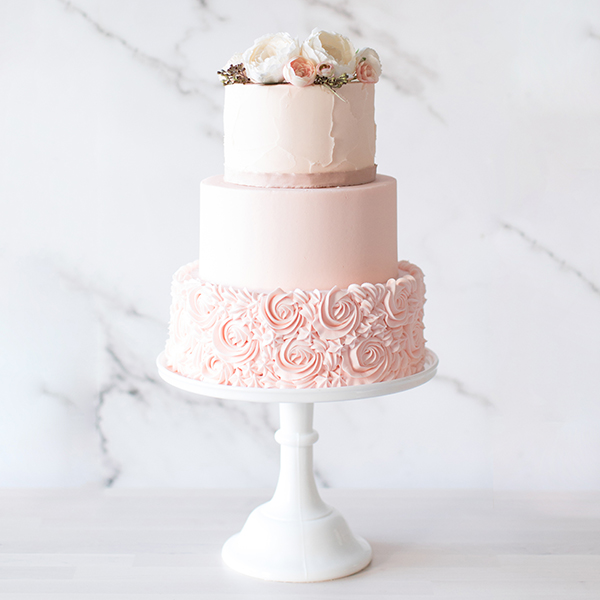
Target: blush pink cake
<point>298,283</point>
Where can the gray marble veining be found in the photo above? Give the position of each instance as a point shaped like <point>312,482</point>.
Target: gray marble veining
<point>560,262</point>
<point>111,116</point>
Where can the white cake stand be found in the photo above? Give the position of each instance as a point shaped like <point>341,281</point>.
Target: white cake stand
<point>296,536</point>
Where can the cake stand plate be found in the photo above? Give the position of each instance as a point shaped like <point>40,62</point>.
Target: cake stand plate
<point>295,536</point>
<point>306,396</point>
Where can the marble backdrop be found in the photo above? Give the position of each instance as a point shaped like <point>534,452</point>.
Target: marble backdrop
<point>489,117</point>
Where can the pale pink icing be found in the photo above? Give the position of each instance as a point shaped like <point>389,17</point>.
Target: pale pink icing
<point>268,238</point>
<point>364,334</point>
<point>299,136</point>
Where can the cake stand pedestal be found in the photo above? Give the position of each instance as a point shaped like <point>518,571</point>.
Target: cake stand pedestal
<point>295,536</point>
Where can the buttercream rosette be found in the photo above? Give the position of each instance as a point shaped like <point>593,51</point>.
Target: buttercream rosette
<point>367,333</point>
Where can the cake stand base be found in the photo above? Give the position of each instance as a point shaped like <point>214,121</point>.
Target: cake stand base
<point>295,536</point>
<point>296,551</point>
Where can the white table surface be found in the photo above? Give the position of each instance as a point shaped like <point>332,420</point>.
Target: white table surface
<point>135,544</point>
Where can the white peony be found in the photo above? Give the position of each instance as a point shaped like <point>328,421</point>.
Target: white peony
<point>264,61</point>
<point>328,48</point>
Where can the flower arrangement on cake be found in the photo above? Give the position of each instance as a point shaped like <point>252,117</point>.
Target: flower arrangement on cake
<point>324,58</point>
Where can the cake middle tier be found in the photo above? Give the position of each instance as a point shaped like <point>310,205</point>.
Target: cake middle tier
<point>308,238</point>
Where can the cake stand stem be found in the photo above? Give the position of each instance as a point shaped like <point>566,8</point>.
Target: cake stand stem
<point>296,496</point>
<point>296,536</point>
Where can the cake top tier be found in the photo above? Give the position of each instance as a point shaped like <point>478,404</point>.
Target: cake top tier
<point>316,128</point>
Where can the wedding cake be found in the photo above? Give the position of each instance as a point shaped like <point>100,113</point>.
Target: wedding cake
<point>298,283</point>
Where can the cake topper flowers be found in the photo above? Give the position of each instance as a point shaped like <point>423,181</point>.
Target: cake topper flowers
<point>324,58</point>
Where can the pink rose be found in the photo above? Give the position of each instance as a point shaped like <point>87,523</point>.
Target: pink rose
<point>183,274</point>
<point>300,71</point>
<point>181,328</point>
<point>400,301</point>
<point>414,343</point>
<point>338,314</point>
<point>368,295</point>
<point>368,361</point>
<point>405,267</point>
<point>203,306</point>
<point>177,357</point>
<point>368,66</point>
<point>233,341</point>
<point>299,362</point>
<point>281,312</point>
<point>215,370</point>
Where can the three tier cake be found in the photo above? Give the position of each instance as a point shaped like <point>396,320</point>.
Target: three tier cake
<point>298,283</point>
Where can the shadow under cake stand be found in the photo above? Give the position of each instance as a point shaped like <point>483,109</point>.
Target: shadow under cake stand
<point>295,536</point>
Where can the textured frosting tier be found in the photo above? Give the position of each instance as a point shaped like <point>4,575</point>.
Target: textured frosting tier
<point>263,239</point>
<point>363,334</point>
<point>288,136</point>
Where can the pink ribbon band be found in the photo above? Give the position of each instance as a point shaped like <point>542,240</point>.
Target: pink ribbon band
<point>302,180</point>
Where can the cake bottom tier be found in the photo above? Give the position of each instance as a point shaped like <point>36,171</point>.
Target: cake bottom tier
<point>366,333</point>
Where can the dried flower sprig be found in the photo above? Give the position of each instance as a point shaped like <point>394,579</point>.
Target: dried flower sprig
<point>234,74</point>
<point>334,83</point>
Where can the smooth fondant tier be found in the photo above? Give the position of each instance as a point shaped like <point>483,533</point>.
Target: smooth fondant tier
<point>288,136</point>
<point>363,334</point>
<point>267,238</point>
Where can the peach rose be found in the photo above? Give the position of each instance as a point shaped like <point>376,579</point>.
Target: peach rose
<point>300,71</point>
